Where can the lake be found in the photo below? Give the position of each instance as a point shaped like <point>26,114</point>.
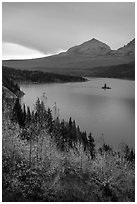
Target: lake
<point>107,114</point>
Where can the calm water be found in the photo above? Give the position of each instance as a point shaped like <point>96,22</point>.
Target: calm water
<point>110,113</point>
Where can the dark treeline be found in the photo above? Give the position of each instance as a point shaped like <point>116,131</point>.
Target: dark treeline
<point>9,83</point>
<point>38,76</point>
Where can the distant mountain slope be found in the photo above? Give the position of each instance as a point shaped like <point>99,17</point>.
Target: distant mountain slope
<point>122,71</point>
<point>128,49</point>
<point>88,55</point>
<point>91,48</point>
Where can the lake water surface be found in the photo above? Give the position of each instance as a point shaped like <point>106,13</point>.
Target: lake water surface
<point>110,113</point>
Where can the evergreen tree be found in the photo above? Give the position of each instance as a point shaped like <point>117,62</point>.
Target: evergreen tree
<point>107,148</point>
<point>28,116</point>
<point>78,132</point>
<point>37,109</point>
<point>49,120</point>
<point>40,114</point>
<point>17,112</point>
<point>129,153</point>
<point>24,114</point>
<point>56,126</point>
<point>84,140</point>
<point>91,145</point>
<point>64,132</point>
<point>131,156</point>
<point>74,132</point>
<point>57,133</point>
<point>70,133</point>
<point>70,122</point>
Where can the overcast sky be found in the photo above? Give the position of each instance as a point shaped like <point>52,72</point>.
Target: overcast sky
<point>33,29</point>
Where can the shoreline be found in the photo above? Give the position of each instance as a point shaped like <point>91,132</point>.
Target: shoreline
<point>129,79</point>
<point>56,82</point>
<point>86,80</point>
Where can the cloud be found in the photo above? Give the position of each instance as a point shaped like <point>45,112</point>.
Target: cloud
<point>49,26</point>
<point>16,51</point>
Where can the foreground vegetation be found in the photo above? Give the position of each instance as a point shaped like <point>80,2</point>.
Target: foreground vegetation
<point>45,159</point>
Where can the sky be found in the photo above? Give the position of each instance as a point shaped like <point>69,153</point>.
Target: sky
<point>38,29</point>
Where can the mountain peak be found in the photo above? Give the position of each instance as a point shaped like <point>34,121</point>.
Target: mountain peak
<point>94,39</point>
<point>91,47</point>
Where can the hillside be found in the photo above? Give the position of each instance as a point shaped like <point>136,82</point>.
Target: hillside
<point>36,77</point>
<point>48,160</point>
<point>122,71</point>
<point>86,56</point>
<point>129,49</point>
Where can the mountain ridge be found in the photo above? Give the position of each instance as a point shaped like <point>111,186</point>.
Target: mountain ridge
<point>88,55</point>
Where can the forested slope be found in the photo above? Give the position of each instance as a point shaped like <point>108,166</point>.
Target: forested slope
<point>37,76</point>
<point>45,159</point>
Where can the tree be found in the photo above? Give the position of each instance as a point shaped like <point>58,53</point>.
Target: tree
<point>24,114</point>
<point>28,116</point>
<point>131,156</point>
<point>78,132</point>
<point>74,132</point>
<point>17,112</point>
<point>56,132</point>
<point>40,114</point>
<point>49,120</point>
<point>64,134</point>
<point>37,109</point>
<point>91,145</point>
<point>70,133</point>
<point>84,140</point>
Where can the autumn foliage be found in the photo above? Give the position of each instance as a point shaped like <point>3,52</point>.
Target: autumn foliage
<point>45,159</point>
